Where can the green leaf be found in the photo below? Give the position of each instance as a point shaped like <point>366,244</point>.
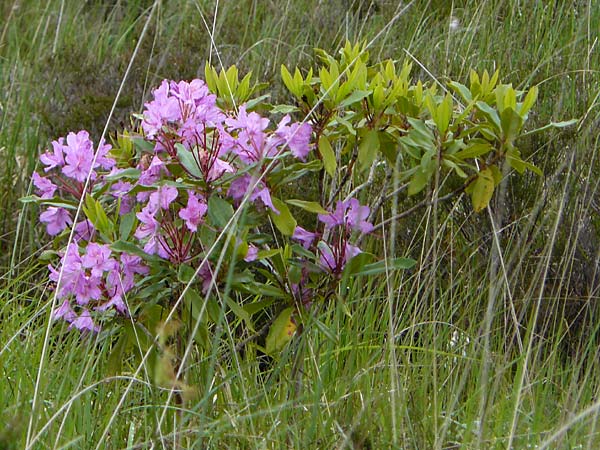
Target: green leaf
<point>388,147</point>
<point>444,114</point>
<point>368,148</point>
<point>483,189</point>
<point>128,247</point>
<point>281,332</point>
<point>187,161</point>
<point>255,307</point>
<point>284,109</point>
<point>418,182</point>
<point>354,97</point>
<point>563,124</point>
<point>219,211</point>
<point>386,266</point>
<point>126,225</point>
<point>462,90</point>
<point>95,213</point>
<point>474,150</point>
<point>287,79</point>
<point>251,104</point>
<point>490,113</point>
<point>239,312</point>
<point>125,173</point>
<point>284,221</point>
<point>528,102</point>
<point>185,274</point>
<point>511,123</point>
<point>327,155</point>
<point>143,145</point>
<point>312,207</point>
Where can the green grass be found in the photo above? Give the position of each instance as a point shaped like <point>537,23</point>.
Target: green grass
<point>490,343</point>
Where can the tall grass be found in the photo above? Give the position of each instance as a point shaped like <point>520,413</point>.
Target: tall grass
<point>490,343</point>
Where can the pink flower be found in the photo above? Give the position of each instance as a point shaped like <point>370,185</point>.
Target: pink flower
<point>106,162</point>
<point>55,158</point>
<point>334,259</point>
<point>115,302</point>
<point>45,187</point>
<point>306,238</point>
<point>349,213</point>
<point>160,111</point>
<point>296,137</point>
<point>241,185</point>
<point>84,230</point>
<point>56,219</point>
<point>64,312</point>
<point>84,323</point>
<point>79,155</point>
<point>252,253</point>
<point>251,141</point>
<point>162,197</point>
<point>149,225</point>
<point>193,213</point>
<point>97,258</point>
<point>132,265</point>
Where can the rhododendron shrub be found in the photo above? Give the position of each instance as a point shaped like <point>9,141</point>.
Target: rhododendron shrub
<point>190,215</point>
<point>194,182</point>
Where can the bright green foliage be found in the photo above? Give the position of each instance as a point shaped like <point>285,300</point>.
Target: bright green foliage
<point>384,114</point>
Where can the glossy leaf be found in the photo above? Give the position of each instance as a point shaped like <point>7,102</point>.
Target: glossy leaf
<point>284,221</point>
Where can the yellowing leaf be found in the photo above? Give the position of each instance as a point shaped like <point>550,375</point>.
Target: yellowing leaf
<point>483,189</point>
<point>281,332</point>
<point>327,155</point>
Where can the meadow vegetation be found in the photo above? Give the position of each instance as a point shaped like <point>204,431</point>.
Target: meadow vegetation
<point>489,341</point>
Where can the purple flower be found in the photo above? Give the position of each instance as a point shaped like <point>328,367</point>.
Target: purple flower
<point>121,191</point>
<point>56,219</point>
<point>161,110</point>
<point>97,258</point>
<point>305,237</point>
<point>84,322</point>
<point>45,187</point>
<point>116,302</point>
<point>106,162</point>
<point>149,228</point>
<point>252,253</point>
<point>55,158</point>
<point>152,174</point>
<point>162,197</point>
<point>357,216</point>
<point>251,141</point>
<point>296,137</point>
<point>84,230</point>
<point>86,288</point>
<point>149,225</point>
<point>193,213</point>
<point>241,185</point>
<point>349,213</point>
<point>64,312</point>
<point>79,155</point>
<point>132,265</point>
<point>217,168</point>
<point>334,259</point>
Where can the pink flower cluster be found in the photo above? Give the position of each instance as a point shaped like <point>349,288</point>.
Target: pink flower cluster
<point>93,279</point>
<point>69,164</point>
<point>199,151</point>
<point>348,217</point>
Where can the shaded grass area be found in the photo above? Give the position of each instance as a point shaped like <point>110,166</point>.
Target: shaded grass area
<point>491,343</point>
